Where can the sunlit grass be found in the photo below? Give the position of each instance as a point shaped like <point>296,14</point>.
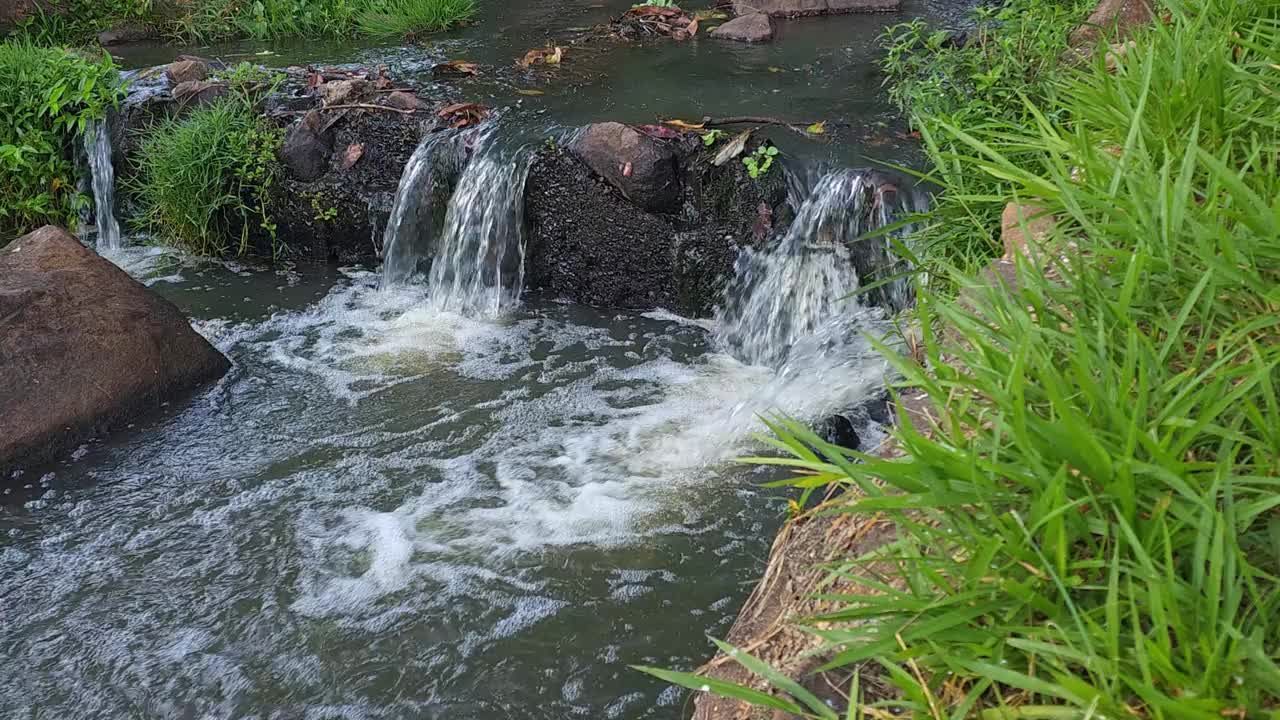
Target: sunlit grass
<point>1091,530</point>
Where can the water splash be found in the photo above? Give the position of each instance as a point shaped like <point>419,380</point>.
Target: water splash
<point>97,146</point>
<point>793,298</point>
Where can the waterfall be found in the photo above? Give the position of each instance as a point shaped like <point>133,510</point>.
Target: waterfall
<point>477,258</point>
<point>479,264</point>
<point>795,294</point>
<point>97,146</point>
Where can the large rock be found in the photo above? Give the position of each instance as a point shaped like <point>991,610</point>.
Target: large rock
<point>83,348</point>
<point>797,8</point>
<point>1115,20</point>
<point>307,148</point>
<point>752,27</point>
<point>589,244</point>
<point>642,168</point>
<point>184,71</point>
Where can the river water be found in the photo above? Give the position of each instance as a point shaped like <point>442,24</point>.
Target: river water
<point>397,507</point>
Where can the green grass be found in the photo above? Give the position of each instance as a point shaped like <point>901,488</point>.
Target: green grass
<point>214,20</point>
<point>407,18</point>
<point>204,173</point>
<point>48,97</point>
<point>1092,530</point>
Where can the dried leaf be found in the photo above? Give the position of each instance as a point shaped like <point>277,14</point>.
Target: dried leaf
<point>732,149</point>
<point>352,156</point>
<point>626,170</point>
<point>711,14</point>
<point>682,125</point>
<point>547,56</point>
<point>456,68</point>
<point>774,69</point>
<point>693,27</point>
<point>529,91</point>
<point>463,114</point>
<point>818,128</point>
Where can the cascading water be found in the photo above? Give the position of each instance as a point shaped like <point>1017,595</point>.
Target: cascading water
<point>97,146</point>
<point>423,187</point>
<point>477,262</point>
<point>795,294</point>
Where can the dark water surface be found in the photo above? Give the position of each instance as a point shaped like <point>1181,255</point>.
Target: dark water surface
<point>389,511</point>
<point>816,69</point>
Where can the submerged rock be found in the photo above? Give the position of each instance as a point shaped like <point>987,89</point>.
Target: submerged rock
<point>84,348</point>
<point>640,167</point>
<point>797,8</point>
<point>752,27</point>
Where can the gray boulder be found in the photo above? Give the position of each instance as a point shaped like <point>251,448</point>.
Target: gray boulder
<point>640,167</point>
<point>307,148</point>
<point>84,348</point>
<point>752,27</point>
<point>797,8</point>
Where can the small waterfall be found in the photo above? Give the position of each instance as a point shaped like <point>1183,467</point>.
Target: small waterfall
<point>795,293</point>
<point>477,259</point>
<point>479,264</point>
<point>97,147</point>
<point>423,190</point>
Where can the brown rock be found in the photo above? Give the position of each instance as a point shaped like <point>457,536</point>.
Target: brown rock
<point>198,92</point>
<point>308,148</point>
<point>1115,20</point>
<point>185,71</point>
<point>639,166</point>
<point>753,27</point>
<point>1024,228</point>
<point>797,8</point>
<point>84,347</point>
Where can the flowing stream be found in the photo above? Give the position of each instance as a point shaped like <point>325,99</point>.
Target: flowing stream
<point>418,494</point>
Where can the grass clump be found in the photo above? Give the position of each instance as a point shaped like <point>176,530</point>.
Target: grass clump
<point>48,97</point>
<point>1011,58</point>
<point>79,21</point>
<point>208,171</point>
<point>1091,530</point>
<point>407,18</point>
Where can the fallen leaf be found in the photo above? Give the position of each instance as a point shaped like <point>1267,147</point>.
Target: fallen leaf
<point>456,68</point>
<point>711,14</point>
<point>528,91</point>
<point>774,69</point>
<point>352,156</point>
<point>818,128</point>
<point>626,170</point>
<point>682,125</point>
<point>547,56</point>
<point>732,149</point>
<point>693,27</point>
<point>463,114</point>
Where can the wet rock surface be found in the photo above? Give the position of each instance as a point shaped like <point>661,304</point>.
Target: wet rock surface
<point>642,168</point>
<point>84,348</point>
<point>752,28</point>
<point>588,243</point>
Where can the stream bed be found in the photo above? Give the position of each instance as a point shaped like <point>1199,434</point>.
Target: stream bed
<point>391,510</point>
